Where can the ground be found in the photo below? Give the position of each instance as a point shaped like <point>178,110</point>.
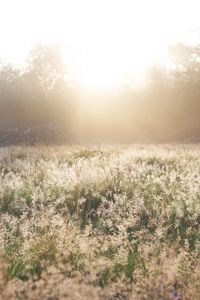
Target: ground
<point>109,222</point>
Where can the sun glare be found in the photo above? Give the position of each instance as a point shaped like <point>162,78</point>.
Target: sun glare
<point>114,40</point>
<point>106,39</point>
<point>111,39</point>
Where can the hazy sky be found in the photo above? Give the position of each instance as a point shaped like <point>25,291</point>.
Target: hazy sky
<point>98,32</point>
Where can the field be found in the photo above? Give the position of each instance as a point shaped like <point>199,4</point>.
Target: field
<point>101,223</point>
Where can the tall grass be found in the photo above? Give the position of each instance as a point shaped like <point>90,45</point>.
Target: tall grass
<point>120,223</point>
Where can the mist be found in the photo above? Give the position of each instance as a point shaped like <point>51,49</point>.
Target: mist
<point>163,107</point>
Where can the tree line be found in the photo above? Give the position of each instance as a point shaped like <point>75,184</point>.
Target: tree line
<point>166,108</point>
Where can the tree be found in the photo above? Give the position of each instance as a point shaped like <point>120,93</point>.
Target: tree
<point>46,66</point>
<point>186,63</point>
<point>9,94</point>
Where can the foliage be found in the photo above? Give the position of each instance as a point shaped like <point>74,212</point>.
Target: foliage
<point>164,108</point>
<point>120,223</point>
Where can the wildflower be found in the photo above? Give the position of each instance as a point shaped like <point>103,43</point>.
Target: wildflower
<point>174,293</point>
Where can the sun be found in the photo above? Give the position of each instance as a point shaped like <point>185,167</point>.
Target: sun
<point>102,68</point>
<point>114,38</point>
<point>97,68</point>
<point>106,39</point>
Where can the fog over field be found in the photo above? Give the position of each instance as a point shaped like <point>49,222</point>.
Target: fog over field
<point>163,107</point>
<point>100,71</point>
<point>99,150</point>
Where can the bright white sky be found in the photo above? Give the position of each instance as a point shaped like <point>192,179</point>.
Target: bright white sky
<point>104,37</point>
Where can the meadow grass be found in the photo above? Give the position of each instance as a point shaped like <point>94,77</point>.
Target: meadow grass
<point>80,223</point>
